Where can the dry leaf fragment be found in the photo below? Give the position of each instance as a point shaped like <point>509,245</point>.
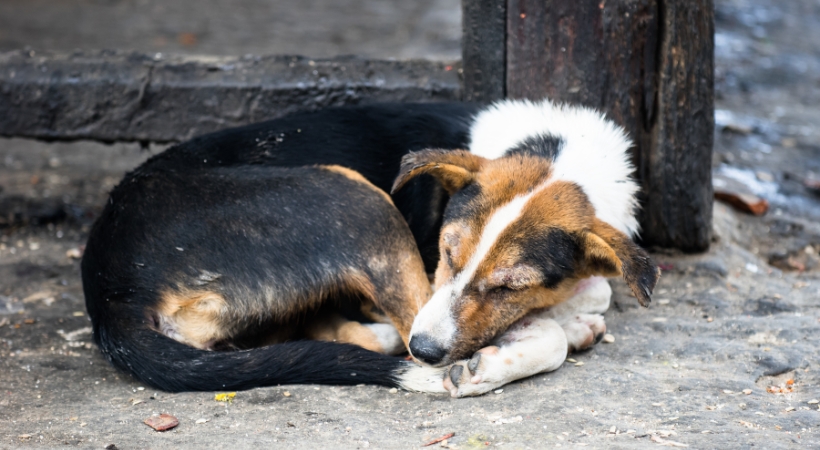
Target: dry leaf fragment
<point>747,203</point>
<point>439,439</point>
<point>163,422</point>
<point>666,443</point>
<point>225,397</point>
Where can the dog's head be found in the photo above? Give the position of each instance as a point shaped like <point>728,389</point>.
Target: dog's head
<point>516,237</point>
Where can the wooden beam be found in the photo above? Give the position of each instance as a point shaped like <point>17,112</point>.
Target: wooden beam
<point>676,162</point>
<point>125,96</point>
<point>484,24</point>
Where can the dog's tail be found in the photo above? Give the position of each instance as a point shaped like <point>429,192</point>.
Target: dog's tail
<point>164,363</point>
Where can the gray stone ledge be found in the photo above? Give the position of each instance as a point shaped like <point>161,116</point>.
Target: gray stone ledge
<point>122,96</point>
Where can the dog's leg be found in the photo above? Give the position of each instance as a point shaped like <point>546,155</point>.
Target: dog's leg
<point>580,315</point>
<point>377,337</point>
<point>401,288</point>
<point>534,344</point>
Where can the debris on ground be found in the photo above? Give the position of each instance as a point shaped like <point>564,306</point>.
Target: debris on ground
<point>162,422</point>
<point>439,439</point>
<point>747,203</point>
<point>225,397</point>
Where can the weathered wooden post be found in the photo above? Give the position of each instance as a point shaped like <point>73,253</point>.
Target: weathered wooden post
<point>648,63</point>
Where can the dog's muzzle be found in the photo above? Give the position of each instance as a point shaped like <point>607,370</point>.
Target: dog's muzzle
<point>425,349</point>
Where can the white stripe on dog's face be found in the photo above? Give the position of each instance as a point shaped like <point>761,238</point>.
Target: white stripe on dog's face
<point>436,317</point>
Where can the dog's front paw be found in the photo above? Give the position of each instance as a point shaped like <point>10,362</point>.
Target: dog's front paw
<point>583,331</point>
<point>482,373</point>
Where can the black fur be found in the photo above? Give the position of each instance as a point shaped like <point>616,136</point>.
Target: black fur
<point>555,253</point>
<point>228,210</point>
<point>543,145</point>
<point>462,204</point>
<point>368,139</point>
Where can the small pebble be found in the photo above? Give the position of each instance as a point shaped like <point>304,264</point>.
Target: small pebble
<point>393,391</point>
<point>608,338</point>
<point>200,421</point>
<point>789,409</point>
<point>570,360</point>
<point>74,253</point>
<point>286,394</point>
<point>726,391</point>
<point>613,429</point>
<point>747,391</point>
<point>162,422</point>
<point>579,364</point>
<point>498,391</point>
<point>813,402</point>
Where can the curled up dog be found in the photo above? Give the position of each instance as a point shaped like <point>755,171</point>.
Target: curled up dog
<point>271,254</point>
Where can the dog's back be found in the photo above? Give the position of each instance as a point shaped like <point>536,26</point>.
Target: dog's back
<point>368,139</point>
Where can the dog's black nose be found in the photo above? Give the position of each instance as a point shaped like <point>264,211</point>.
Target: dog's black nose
<point>426,349</point>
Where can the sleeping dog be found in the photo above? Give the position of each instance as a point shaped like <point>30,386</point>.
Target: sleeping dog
<point>270,254</point>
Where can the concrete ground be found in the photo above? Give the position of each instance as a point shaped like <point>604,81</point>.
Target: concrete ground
<point>727,356</point>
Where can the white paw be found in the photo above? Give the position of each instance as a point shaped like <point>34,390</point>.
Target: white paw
<point>484,372</point>
<point>591,296</point>
<point>388,338</point>
<point>583,331</point>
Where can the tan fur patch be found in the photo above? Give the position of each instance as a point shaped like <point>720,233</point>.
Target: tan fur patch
<point>415,292</point>
<point>357,177</point>
<point>454,169</point>
<point>335,328</point>
<point>195,316</point>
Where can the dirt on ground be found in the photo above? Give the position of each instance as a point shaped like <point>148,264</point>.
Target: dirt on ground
<point>727,355</point>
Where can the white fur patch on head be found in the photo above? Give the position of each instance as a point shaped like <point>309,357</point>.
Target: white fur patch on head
<point>435,320</point>
<point>594,153</point>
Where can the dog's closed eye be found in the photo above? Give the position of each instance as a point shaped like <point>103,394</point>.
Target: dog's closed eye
<point>515,278</point>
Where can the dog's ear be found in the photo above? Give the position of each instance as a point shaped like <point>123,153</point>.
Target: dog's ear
<point>608,252</point>
<point>455,169</point>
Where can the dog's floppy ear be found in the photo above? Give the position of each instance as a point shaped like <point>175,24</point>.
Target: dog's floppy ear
<point>455,169</point>
<point>608,252</point>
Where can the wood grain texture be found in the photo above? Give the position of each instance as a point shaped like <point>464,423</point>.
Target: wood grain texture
<point>483,50</point>
<point>676,169</point>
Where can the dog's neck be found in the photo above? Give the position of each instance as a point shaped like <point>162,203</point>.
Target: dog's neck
<point>585,147</point>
